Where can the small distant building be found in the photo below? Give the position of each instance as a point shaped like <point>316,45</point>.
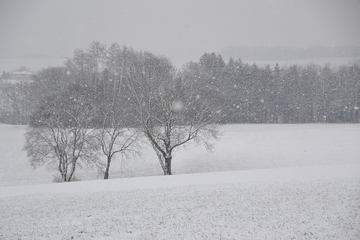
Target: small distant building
<point>21,77</point>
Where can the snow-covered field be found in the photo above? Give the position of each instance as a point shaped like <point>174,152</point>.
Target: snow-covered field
<point>286,203</point>
<point>263,182</point>
<point>241,147</point>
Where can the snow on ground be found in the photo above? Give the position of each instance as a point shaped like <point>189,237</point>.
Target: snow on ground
<point>321,202</point>
<point>284,196</point>
<point>247,146</point>
<point>251,146</point>
<point>14,166</point>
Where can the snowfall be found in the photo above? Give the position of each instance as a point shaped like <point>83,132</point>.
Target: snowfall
<point>260,182</point>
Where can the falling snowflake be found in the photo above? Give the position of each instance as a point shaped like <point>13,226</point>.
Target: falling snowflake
<point>177,106</point>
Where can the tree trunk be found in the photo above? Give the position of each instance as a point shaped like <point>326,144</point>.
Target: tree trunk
<point>73,167</point>
<point>167,168</point>
<point>106,176</point>
<point>64,177</point>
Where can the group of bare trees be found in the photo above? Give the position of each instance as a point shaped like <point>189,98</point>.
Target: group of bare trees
<point>107,101</point>
<point>110,100</point>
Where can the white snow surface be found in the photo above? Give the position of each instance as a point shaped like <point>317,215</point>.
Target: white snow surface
<point>248,176</point>
<point>276,182</point>
<point>242,147</point>
<point>289,203</point>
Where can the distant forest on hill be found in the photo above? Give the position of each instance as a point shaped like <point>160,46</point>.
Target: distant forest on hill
<point>289,53</point>
<point>249,93</point>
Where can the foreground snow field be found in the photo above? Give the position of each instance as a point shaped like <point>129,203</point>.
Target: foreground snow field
<point>304,184</point>
<point>320,202</point>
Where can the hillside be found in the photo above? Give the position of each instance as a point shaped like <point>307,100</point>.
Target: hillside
<point>282,195</point>
<point>285,203</point>
<point>241,147</point>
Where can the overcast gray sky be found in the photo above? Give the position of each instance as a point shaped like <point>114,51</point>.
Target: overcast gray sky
<point>182,30</point>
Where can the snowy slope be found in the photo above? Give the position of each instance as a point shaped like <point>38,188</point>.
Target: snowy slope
<point>289,203</point>
<point>241,147</point>
<point>291,199</point>
<point>248,176</point>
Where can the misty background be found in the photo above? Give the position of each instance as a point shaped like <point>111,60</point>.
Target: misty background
<point>42,33</point>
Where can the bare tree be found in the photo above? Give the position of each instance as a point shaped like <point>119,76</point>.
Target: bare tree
<point>170,109</point>
<point>60,132</point>
<point>103,69</point>
<point>113,135</point>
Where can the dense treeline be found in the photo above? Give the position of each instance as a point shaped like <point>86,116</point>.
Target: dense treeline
<point>250,93</point>
<point>289,94</point>
<point>16,103</point>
